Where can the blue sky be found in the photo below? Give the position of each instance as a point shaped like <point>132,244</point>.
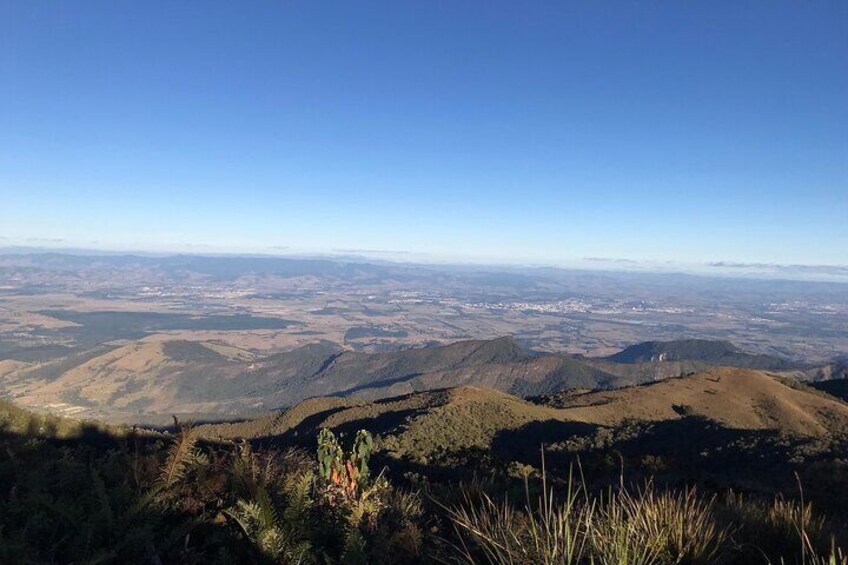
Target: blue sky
<point>493,131</point>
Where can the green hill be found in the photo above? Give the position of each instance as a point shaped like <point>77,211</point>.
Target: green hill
<point>440,428</point>
<point>703,350</point>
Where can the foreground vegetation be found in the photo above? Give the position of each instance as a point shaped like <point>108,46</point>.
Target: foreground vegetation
<point>643,525</point>
<point>95,496</point>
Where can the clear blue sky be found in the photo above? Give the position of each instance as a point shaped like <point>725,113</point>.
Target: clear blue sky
<point>530,131</point>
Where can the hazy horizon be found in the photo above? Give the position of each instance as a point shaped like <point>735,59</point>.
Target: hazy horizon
<point>719,269</point>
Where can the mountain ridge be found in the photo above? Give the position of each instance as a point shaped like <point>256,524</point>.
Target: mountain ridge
<point>423,425</point>
<point>203,379</point>
<point>713,352</point>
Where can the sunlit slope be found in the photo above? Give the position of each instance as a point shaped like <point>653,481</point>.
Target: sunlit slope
<point>139,376</point>
<point>16,420</point>
<point>422,425</point>
<point>734,398</point>
<point>449,420</point>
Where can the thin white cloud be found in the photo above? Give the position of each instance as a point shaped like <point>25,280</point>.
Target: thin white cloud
<point>384,251</point>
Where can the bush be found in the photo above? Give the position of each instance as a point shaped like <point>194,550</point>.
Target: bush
<point>104,498</point>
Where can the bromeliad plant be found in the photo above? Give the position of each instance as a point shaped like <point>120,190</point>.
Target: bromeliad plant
<point>348,475</point>
<point>351,498</point>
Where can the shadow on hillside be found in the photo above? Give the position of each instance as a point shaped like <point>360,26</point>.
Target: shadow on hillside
<point>305,430</point>
<point>305,434</point>
<point>834,387</point>
<point>525,444</point>
<point>447,466</point>
<point>87,497</point>
<point>383,383</point>
<point>388,421</point>
<point>686,451</point>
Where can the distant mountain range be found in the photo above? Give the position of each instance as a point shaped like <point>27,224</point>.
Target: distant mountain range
<point>213,380</point>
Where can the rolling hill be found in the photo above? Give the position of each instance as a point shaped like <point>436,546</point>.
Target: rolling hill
<point>147,381</point>
<point>735,398</point>
<point>149,377</point>
<point>425,426</point>
<point>204,379</point>
<point>501,364</point>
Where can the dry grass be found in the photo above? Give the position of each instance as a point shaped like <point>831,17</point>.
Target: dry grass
<point>786,531</point>
<point>737,398</point>
<point>640,526</point>
<point>548,532</point>
<point>651,526</point>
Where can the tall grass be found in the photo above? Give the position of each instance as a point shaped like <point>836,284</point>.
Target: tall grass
<point>547,533</point>
<point>651,526</point>
<point>639,526</point>
<point>784,531</point>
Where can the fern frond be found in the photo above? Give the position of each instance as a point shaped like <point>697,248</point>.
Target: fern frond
<point>298,491</point>
<point>179,455</point>
<point>267,515</point>
<point>246,514</point>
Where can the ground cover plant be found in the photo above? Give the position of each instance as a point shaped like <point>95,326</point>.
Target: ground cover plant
<point>89,495</point>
